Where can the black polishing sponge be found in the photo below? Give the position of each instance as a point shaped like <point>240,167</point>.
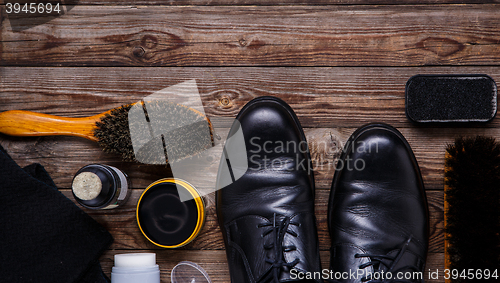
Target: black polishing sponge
<point>451,98</point>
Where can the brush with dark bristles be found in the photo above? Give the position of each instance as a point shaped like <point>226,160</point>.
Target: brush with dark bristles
<point>472,208</point>
<point>190,132</point>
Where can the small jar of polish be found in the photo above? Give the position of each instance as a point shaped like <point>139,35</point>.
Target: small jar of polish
<point>170,213</point>
<point>98,186</point>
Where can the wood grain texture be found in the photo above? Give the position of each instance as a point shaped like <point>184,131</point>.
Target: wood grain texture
<point>215,263</point>
<point>74,91</point>
<point>336,99</point>
<point>369,35</point>
<point>320,96</point>
<point>122,224</point>
<point>266,2</point>
<point>29,124</point>
<point>63,156</point>
<point>332,90</point>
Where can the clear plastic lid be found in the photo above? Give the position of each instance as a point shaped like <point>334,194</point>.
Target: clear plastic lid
<point>189,272</point>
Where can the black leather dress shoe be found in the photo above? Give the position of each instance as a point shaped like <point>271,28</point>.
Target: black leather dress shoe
<point>267,214</point>
<point>377,212</point>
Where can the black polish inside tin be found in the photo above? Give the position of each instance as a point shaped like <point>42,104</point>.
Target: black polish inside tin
<point>164,219</point>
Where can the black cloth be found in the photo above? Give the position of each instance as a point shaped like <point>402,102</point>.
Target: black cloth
<point>44,236</point>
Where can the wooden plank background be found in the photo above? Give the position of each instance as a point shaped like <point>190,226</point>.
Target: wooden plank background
<point>339,64</point>
<point>260,36</point>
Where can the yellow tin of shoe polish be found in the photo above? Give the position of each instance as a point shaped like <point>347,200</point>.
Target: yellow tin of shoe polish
<point>164,219</point>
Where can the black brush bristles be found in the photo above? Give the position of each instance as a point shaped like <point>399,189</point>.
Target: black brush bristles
<point>472,179</point>
<point>189,132</point>
<point>113,133</point>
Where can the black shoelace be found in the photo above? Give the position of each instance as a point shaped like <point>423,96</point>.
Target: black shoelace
<point>280,228</point>
<point>379,260</point>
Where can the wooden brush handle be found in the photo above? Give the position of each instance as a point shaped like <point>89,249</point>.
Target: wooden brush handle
<point>26,123</point>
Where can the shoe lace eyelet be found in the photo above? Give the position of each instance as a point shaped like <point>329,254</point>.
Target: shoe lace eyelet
<point>276,234</point>
<point>389,262</point>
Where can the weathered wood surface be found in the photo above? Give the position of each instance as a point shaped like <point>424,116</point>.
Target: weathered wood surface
<point>63,156</point>
<point>215,263</point>
<point>371,35</point>
<point>321,96</point>
<point>207,248</point>
<point>122,224</point>
<point>336,99</point>
<point>266,2</point>
<point>332,95</point>
<point>330,102</point>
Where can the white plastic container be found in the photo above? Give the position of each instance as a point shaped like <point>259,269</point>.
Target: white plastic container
<point>135,268</point>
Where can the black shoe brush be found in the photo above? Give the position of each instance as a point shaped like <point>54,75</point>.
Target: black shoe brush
<point>472,208</point>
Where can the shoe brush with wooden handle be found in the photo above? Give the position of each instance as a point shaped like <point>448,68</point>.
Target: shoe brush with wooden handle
<point>189,131</point>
